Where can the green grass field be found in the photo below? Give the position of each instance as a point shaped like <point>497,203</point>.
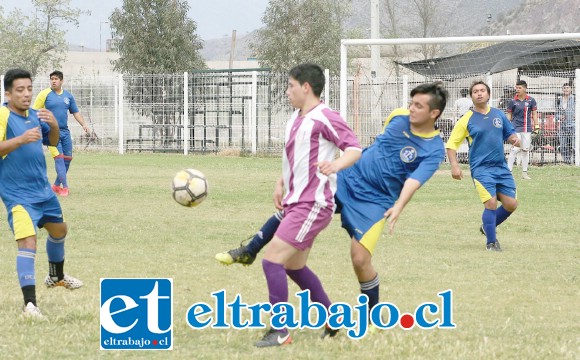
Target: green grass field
<point>518,304</point>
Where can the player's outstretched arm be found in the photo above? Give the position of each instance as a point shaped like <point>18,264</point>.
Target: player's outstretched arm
<point>409,189</point>
<point>348,158</point>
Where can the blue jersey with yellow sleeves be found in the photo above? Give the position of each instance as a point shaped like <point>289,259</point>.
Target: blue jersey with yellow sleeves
<point>59,104</point>
<point>485,134</point>
<point>396,155</point>
<point>23,176</point>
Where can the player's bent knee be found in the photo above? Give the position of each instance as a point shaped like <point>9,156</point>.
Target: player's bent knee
<point>56,230</point>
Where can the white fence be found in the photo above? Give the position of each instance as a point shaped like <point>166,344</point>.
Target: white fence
<point>246,110</point>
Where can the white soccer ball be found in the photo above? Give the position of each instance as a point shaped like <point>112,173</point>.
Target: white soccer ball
<point>189,187</point>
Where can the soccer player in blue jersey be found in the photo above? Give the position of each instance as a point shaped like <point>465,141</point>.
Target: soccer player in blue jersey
<point>60,102</point>
<point>486,129</point>
<point>378,187</point>
<point>25,190</point>
<point>522,111</point>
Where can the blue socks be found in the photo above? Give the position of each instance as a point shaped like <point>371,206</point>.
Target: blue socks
<point>25,270</point>
<point>61,169</point>
<point>489,223</point>
<point>265,234</point>
<point>501,215</point>
<point>55,252</point>
<point>371,289</point>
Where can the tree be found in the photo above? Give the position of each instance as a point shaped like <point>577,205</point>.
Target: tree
<point>37,43</point>
<point>155,37</point>
<point>298,31</point>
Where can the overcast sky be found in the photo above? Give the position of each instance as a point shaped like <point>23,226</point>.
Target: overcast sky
<point>214,18</point>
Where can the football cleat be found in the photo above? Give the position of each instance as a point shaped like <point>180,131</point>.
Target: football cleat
<point>64,192</point>
<point>56,189</point>
<point>239,255</point>
<point>494,246</point>
<point>68,282</point>
<point>274,337</point>
<point>525,176</point>
<point>328,332</point>
<point>482,230</point>
<point>32,311</point>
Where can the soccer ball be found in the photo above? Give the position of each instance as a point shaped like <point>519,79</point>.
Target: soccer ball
<point>189,187</point>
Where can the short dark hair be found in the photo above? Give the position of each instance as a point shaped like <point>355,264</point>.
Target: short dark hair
<point>56,73</point>
<point>522,83</point>
<point>479,82</point>
<point>15,74</point>
<point>311,74</point>
<point>464,92</point>
<point>436,91</point>
<point>567,84</point>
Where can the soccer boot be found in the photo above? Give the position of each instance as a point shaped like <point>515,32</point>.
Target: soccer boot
<point>328,332</point>
<point>64,192</point>
<point>68,282</point>
<point>56,189</point>
<point>274,337</point>
<point>525,176</point>
<point>482,230</point>
<point>239,255</point>
<point>494,246</point>
<point>32,311</point>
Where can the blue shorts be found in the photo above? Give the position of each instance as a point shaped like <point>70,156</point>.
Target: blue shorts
<point>25,218</point>
<point>363,220</point>
<point>490,181</point>
<point>65,145</point>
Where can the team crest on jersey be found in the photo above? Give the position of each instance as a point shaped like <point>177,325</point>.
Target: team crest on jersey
<point>408,154</point>
<point>497,123</point>
<point>66,100</point>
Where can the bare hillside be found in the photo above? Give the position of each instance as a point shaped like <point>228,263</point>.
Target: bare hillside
<point>464,18</point>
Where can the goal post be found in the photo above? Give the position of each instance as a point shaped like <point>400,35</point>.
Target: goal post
<point>545,61</point>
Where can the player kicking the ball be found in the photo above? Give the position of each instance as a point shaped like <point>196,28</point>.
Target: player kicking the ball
<point>377,187</point>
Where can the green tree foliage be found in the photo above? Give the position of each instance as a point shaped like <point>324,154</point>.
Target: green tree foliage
<point>298,31</point>
<point>36,43</point>
<point>155,37</point>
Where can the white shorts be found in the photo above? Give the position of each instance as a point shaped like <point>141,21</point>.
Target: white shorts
<point>525,141</point>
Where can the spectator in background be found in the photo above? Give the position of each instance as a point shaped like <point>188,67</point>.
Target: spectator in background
<point>463,104</point>
<point>508,95</point>
<point>522,112</point>
<point>565,116</point>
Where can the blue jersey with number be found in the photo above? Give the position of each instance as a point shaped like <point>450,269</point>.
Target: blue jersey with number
<point>23,176</point>
<point>59,104</point>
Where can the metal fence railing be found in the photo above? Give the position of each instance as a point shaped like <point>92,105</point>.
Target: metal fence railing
<point>246,110</point>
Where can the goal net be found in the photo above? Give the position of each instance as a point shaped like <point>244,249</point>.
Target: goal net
<point>377,76</point>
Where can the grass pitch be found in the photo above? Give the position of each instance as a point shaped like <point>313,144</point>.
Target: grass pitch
<point>518,304</point>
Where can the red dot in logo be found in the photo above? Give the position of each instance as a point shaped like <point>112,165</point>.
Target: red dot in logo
<point>154,342</point>
<point>407,321</point>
